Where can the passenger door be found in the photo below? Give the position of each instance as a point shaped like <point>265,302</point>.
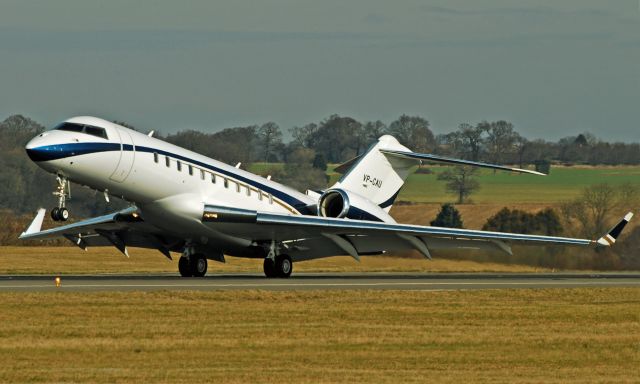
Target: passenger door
<point>127,157</point>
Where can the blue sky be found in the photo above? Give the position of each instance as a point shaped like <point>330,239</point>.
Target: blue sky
<point>553,68</point>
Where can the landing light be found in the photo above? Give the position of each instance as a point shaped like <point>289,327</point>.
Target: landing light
<point>58,281</point>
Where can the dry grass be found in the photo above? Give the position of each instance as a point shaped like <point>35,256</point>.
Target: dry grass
<point>474,216</point>
<point>515,336</point>
<point>67,260</point>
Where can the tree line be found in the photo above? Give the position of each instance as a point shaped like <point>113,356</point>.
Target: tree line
<point>305,155</point>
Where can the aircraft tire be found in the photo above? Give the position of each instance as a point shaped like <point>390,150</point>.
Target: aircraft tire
<point>284,266</point>
<point>55,214</point>
<point>183,267</point>
<point>198,265</point>
<point>269,268</point>
<point>63,214</point>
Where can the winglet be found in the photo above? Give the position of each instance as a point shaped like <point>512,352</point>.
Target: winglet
<point>36,224</point>
<point>610,238</point>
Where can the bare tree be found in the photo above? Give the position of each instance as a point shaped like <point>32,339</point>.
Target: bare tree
<point>594,208</point>
<point>500,140</point>
<point>467,141</point>
<point>270,136</point>
<point>460,181</point>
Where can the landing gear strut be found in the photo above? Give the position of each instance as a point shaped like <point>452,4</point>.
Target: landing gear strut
<point>63,191</point>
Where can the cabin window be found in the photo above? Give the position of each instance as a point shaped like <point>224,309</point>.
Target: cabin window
<point>179,165</point>
<point>156,158</point>
<point>190,169</point>
<point>213,178</point>
<point>167,161</point>
<point>226,183</point>
<point>202,174</point>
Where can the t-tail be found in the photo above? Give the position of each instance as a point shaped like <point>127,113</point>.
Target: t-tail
<point>379,174</point>
<point>376,176</point>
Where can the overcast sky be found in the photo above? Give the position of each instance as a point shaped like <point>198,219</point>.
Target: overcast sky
<point>553,68</point>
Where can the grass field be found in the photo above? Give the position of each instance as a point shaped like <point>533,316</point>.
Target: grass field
<point>515,336</point>
<point>563,183</point>
<point>72,260</point>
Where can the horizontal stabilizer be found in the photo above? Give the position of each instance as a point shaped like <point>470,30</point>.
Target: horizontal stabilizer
<point>450,160</point>
<point>610,238</point>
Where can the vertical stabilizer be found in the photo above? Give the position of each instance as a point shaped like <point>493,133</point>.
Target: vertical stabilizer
<point>377,177</point>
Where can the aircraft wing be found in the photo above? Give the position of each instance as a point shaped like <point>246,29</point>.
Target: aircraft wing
<point>358,237</point>
<point>119,229</point>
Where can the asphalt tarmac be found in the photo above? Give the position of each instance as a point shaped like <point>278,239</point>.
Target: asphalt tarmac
<point>309,281</point>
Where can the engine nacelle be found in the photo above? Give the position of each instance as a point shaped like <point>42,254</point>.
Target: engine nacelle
<point>340,203</point>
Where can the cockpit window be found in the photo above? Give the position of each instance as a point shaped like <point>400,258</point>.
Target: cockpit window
<point>88,129</point>
<point>95,131</point>
<point>70,127</point>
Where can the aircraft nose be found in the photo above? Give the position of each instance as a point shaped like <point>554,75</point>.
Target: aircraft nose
<point>36,149</point>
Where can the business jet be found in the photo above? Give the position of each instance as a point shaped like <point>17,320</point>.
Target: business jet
<point>204,209</point>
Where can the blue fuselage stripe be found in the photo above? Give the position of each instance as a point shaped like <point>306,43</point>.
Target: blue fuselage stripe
<point>60,151</point>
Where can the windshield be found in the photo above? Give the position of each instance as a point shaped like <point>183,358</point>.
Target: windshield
<point>88,129</point>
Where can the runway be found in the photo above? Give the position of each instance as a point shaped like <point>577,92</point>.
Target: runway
<point>310,281</point>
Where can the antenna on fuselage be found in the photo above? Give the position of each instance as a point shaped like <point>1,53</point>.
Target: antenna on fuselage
<point>150,134</point>
<point>238,165</point>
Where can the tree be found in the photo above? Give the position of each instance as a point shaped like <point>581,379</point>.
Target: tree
<point>302,135</point>
<point>592,210</point>
<point>520,145</point>
<point>460,181</point>
<point>270,137</point>
<point>545,222</point>
<point>337,138</point>
<point>319,162</point>
<point>299,173</point>
<point>500,140</point>
<point>414,132</point>
<point>373,130</point>
<point>448,217</point>
<point>467,141</point>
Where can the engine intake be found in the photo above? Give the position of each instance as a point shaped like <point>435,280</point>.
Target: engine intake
<point>334,203</point>
<point>340,203</point>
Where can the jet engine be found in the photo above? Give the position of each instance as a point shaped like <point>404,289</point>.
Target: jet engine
<point>340,203</point>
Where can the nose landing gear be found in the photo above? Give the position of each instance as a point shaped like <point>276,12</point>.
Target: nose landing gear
<point>63,191</point>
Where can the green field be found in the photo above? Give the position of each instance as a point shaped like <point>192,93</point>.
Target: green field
<point>563,183</point>
<point>508,336</point>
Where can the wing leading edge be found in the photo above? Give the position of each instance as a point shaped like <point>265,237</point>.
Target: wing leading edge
<point>119,229</point>
<point>351,236</point>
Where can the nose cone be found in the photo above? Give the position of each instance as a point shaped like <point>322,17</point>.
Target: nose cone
<point>37,150</point>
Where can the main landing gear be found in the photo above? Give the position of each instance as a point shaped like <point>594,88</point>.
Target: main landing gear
<point>194,265</point>
<point>282,266</point>
<point>63,191</point>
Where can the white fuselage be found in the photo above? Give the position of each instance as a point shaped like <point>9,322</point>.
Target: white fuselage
<point>171,185</point>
